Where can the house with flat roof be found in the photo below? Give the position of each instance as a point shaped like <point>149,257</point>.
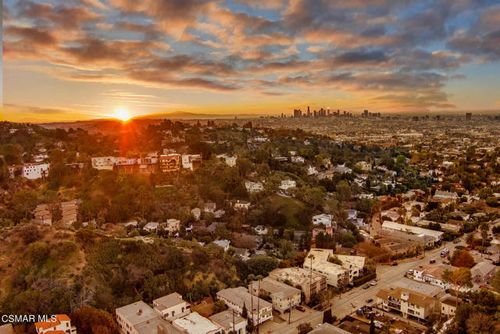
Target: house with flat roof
<point>323,219</point>
<point>309,282</point>
<point>139,318</point>
<point>340,270</point>
<point>408,303</point>
<point>194,323</point>
<point>172,306</point>
<point>430,237</point>
<point>482,272</point>
<point>258,310</point>
<point>326,328</point>
<point>230,322</point>
<point>284,297</point>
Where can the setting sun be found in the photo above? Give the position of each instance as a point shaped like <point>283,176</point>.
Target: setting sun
<point>122,114</point>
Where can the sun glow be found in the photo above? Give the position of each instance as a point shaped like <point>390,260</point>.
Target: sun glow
<point>122,114</point>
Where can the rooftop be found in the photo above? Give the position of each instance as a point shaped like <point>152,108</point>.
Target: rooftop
<point>240,296</point>
<point>137,312</point>
<point>275,288</point>
<point>412,229</point>
<point>195,324</point>
<point>415,298</point>
<point>168,301</point>
<point>226,318</point>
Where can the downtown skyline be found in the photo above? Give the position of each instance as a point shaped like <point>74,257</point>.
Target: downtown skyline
<point>72,60</point>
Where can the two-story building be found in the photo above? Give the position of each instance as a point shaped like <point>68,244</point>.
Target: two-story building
<point>284,297</point>
<point>172,306</point>
<point>309,282</point>
<point>258,310</point>
<point>408,303</point>
<point>340,270</point>
<point>230,322</point>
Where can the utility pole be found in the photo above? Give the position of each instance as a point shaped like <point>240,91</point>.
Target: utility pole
<point>234,329</point>
<point>258,307</point>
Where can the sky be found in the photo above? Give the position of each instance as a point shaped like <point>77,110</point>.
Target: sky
<point>67,60</point>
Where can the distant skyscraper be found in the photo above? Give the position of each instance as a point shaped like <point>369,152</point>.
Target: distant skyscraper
<point>468,116</point>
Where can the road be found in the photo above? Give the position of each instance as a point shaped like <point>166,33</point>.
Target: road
<point>387,277</point>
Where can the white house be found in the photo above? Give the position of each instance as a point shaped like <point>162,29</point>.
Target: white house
<point>297,159</point>
<point>260,230</point>
<point>104,163</point>
<point>230,322</point>
<point>191,161</point>
<point>254,187</point>
<point>287,184</point>
<point>194,323</point>
<point>61,324</point>
<point>311,170</point>
<point>242,205</point>
<point>323,219</point>
<point>172,306</point>
<point>239,298</point>
<point>151,227</point>
<point>223,243</point>
<point>35,171</point>
<point>173,225</point>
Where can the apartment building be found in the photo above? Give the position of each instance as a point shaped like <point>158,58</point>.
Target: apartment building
<point>230,322</point>
<point>284,297</point>
<point>35,171</point>
<point>407,302</point>
<point>237,299</point>
<point>309,282</point>
<point>340,270</point>
<point>172,306</point>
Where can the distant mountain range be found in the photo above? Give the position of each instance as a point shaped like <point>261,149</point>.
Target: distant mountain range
<point>189,115</point>
<point>105,125</point>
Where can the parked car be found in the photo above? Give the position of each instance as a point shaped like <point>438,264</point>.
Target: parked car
<point>394,263</point>
<point>373,283</point>
<point>366,286</point>
<point>369,300</point>
<point>300,308</point>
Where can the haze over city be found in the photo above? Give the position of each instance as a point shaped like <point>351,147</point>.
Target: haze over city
<point>77,60</point>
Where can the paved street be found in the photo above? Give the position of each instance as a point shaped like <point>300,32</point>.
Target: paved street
<point>282,327</point>
<point>387,277</point>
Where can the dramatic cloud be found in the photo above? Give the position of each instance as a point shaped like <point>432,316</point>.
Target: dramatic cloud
<point>402,53</point>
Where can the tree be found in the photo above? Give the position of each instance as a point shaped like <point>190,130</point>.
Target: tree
<point>244,311</point>
<point>460,277</point>
<point>343,189</point>
<point>462,258</point>
<point>89,320</point>
<point>480,323</point>
<point>495,282</point>
<point>304,328</point>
